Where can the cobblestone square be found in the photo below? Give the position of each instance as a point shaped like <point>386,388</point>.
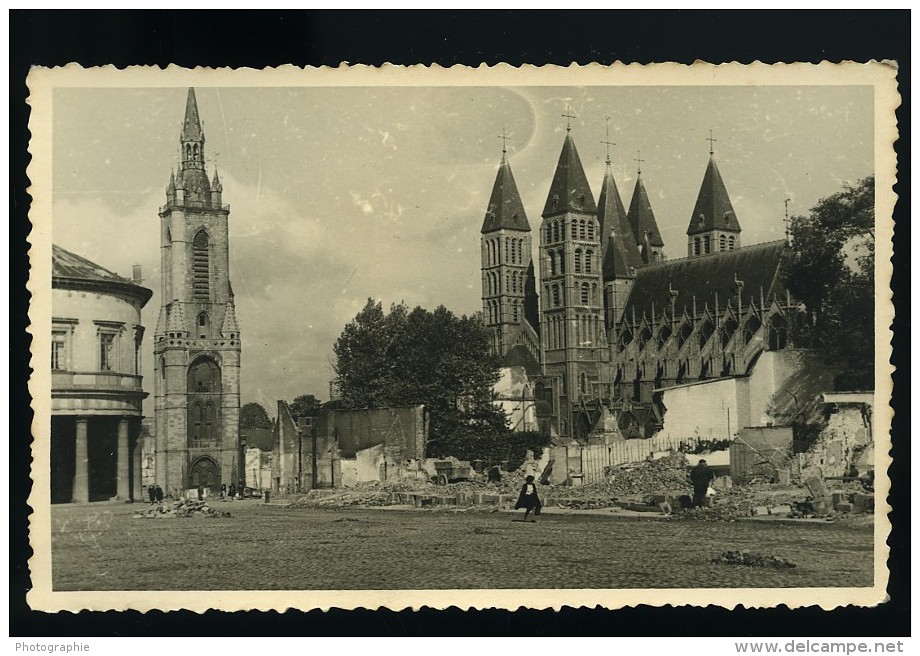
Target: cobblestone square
<point>266,547</point>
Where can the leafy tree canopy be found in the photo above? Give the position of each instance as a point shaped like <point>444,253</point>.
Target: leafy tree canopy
<point>253,415</point>
<point>305,405</point>
<point>831,270</point>
<point>435,358</point>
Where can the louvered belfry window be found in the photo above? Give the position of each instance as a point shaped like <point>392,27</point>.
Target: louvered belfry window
<point>201,272</point>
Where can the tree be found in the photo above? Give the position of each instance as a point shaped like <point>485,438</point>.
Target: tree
<point>423,357</point>
<point>253,415</point>
<point>305,405</point>
<point>831,271</point>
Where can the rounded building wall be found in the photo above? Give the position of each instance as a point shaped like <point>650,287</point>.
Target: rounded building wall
<point>96,337</point>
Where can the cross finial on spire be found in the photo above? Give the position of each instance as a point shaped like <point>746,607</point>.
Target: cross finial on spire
<point>568,117</point>
<point>639,161</point>
<point>504,139</point>
<point>608,143</point>
<point>711,141</point>
<point>786,218</point>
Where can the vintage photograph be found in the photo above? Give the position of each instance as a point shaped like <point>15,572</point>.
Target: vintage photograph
<point>475,337</point>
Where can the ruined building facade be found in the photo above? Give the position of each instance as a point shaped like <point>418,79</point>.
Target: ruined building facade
<point>197,340</point>
<point>612,325</point>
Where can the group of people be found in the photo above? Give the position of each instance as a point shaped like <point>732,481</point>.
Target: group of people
<point>155,494</point>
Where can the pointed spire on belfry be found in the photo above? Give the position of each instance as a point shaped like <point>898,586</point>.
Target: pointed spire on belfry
<point>215,183</point>
<point>506,210</point>
<point>569,190</point>
<point>191,126</point>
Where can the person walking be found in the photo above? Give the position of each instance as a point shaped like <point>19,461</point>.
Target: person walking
<point>701,477</point>
<point>529,499</point>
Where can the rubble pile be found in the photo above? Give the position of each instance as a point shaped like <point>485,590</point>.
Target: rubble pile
<point>643,483</point>
<point>181,508</point>
<point>751,559</point>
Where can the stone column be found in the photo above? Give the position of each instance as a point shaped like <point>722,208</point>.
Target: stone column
<point>81,464</point>
<point>123,473</point>
<point>137,482</point>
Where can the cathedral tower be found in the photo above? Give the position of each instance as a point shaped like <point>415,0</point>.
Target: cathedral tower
<point>620,255</point>
<point>713,224</point>
<point>572,309</point>
<point>197,340</point>
<point>506,260</point>
<point>642,223</point>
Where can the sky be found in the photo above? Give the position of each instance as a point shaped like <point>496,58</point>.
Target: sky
<point>338,194</point>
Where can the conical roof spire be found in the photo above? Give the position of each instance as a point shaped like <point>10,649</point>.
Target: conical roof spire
<point>641,218</point>
<point>230,326</point>
<point>176,321</point>
<point>171,187</point>
<point>161,321</point>
<point>505,207</point>
<point>617,264</point>
<point>615,224</point>
<point>713,209</point>
<point>569,190</point>
<point>191,126</point>
<point>215,183</point>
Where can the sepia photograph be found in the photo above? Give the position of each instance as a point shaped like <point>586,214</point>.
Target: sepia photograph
<point>487,337</point>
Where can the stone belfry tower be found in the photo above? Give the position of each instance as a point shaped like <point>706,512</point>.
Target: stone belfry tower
<point>197,340</point>
<point>713,225</point>
<point>506,260</point>
<point>572,306</point>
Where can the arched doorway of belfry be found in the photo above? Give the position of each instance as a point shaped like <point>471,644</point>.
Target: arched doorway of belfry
<point>204,472</point>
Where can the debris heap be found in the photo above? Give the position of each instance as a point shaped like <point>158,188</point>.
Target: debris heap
<point>181,508</point>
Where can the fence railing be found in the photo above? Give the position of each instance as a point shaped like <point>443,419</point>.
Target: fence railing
<point>590,461</point>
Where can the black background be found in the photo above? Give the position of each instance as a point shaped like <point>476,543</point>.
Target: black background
<point>258,39</point>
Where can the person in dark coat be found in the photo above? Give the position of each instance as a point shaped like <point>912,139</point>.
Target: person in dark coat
<point>158,493</point>
<point>528,499</point>
<point>701,477</point>
<point>152,493</point>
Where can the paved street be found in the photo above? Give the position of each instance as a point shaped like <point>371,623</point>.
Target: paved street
<point>101,547</point>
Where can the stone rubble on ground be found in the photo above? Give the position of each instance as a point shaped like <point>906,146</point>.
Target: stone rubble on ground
<point>659,486</point>
<point>181,508</point>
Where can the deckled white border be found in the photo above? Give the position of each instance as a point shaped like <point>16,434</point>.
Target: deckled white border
<point>42,82</point>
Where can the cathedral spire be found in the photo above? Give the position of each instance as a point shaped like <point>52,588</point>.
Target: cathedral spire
<point>643,225</point>
<point>569,190</point>
<point>713,209</point>
<point>191,126</point>
<point>505,207</point>
<point>614,227</point>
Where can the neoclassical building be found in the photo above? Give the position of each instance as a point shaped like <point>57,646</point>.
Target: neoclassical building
<point>197,341</point>
<point>96,390</point>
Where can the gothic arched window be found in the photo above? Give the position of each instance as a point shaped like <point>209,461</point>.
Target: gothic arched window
<point>201,267</point>
<point>516,312</point>
<point>556,299</point>
<point>705,243</point>
<point>594,297</point>
<point>549,232</point>
<point>585,293</point>
<point>556,230</point>
<point>582,229</point>
<point>696,245</point>
<point>721,242</point>
<point>552,263</point>
<point>577,260</point>
<point>589,256</point>
<point>574,229</point>
<point>731,243</point>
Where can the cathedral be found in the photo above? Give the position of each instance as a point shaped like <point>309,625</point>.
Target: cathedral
<point>197,339</point>
<point>610,326</point>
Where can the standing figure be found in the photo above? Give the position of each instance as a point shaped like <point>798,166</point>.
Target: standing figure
<point>232,491</point>
<point>223,490</point>
<point>528,499</point>
<point>158,493</point>
<point>700,476</point>
<point>152,493</point>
